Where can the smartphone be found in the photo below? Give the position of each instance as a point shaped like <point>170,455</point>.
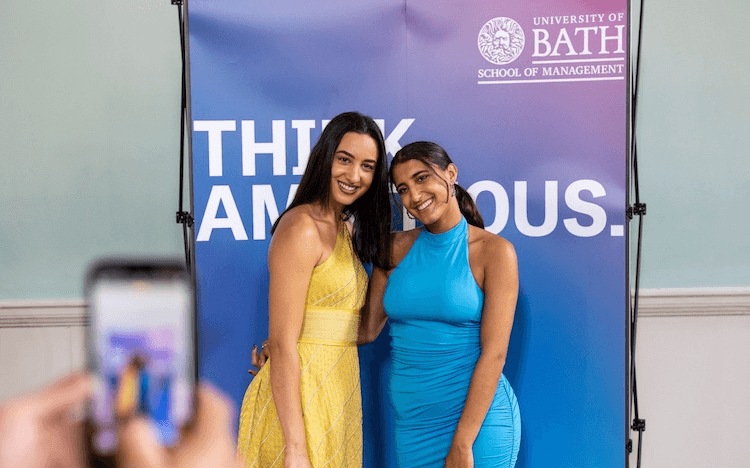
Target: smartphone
<point>140,350</point>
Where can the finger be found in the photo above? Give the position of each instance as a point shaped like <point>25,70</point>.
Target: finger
<point>138,446</point>
<point>253,371</point>
<point>264,355</point>
<point>213,411</point>
<point>63,394</point>
<point>254,356</point>
<point>210,439</point>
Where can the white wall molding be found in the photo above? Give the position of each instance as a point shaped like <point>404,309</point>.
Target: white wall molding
<point>43,313</point>
<point>667,302</point>
<point>694,302</point>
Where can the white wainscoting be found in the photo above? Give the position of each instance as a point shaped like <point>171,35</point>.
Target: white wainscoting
<point>39,341</point>
<point>693,366</point>
<point>693,370</point>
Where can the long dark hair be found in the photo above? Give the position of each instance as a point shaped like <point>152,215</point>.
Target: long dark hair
<point>371,211</point>
<point>434,155</point>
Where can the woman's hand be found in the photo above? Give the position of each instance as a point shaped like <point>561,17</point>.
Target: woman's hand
<point>43,428</point>
<point>259,359</point>
<point>459,457</point>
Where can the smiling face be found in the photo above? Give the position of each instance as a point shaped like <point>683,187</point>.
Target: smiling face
<point>426,193</point>
<point>352,168</point>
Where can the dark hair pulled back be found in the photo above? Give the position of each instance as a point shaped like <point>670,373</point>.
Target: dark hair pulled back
<point>371,211</point>
<point>434,155</point>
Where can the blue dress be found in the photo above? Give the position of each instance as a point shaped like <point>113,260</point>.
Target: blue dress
<point>434,308</point>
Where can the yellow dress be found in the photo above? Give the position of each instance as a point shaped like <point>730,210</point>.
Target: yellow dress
<point>329,373</point>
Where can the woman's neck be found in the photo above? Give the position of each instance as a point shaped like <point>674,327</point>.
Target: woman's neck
<point>330,213</point>
<point>450,217</point>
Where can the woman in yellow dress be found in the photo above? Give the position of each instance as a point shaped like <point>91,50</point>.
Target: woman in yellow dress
<point>304,410</point>
<point>128,396</point>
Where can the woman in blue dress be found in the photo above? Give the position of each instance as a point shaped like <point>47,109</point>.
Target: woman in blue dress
<point>450,301</point>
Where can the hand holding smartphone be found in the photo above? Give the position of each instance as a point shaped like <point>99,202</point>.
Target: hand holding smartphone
<point>140,351</point>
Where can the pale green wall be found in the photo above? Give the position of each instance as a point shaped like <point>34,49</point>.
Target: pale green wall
<point>694,143</point>
<point>89,132</point>
<point>89,105</point>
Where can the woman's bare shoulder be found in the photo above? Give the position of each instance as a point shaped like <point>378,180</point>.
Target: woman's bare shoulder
<point>492,247</point>
<point>297,226</point>
<point>401,243</point>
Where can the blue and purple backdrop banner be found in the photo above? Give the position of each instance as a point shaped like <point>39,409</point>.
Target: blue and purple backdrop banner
<point>530,100</point>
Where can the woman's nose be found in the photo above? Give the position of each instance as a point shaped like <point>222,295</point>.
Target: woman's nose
<point>353,173</point>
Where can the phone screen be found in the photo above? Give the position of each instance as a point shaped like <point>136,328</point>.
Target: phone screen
<point>140,350</point>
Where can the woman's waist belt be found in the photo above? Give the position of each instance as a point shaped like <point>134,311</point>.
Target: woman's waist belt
<point>328,325</point>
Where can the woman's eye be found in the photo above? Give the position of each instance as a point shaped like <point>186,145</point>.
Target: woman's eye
<point>343,159</point>
<point>401,191</point>
<point>421,178</point>
<point>369,167</point>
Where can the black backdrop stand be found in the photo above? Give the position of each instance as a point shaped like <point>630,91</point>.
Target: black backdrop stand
<point>637,209</point>
<point>185,217</point>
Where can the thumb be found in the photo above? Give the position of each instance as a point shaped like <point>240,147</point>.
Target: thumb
<point>213,414</point>
<point>138,445</point>
<point>209,441</point>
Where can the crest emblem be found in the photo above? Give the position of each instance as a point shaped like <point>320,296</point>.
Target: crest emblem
<point>501,40</point>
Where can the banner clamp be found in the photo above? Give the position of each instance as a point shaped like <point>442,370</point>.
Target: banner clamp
<point>183,217</point>
<point>639,209</point>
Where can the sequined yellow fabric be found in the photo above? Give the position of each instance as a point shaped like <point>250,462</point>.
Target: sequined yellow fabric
<point>329,374</point>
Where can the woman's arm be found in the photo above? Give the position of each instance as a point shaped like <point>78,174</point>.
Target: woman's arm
<point>294,251</point>
<point>373,316</point>
<point>500,296</point>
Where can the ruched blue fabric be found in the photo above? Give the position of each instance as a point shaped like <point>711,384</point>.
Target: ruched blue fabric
<point>434,307</point>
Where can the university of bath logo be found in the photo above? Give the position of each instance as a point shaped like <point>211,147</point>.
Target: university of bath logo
<point>501,40</point>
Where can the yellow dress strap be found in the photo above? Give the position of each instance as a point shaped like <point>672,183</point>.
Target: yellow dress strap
<point>329,318</point>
